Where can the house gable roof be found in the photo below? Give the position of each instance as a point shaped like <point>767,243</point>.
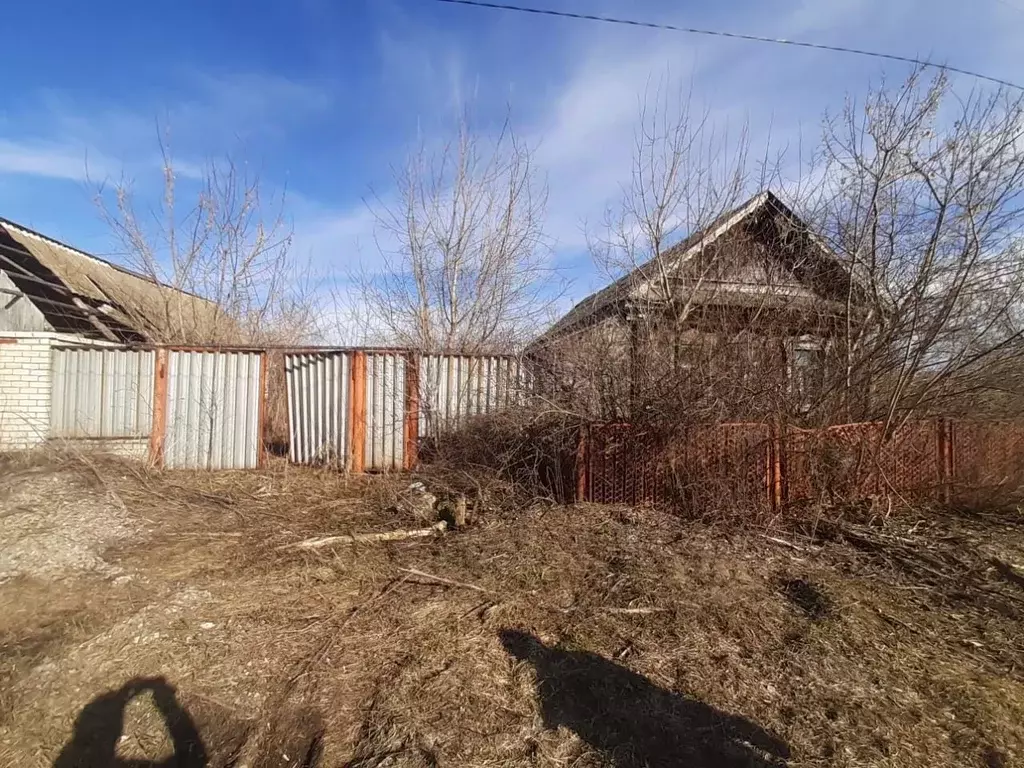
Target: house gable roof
<point>85,295</point>
<point>599,304</point>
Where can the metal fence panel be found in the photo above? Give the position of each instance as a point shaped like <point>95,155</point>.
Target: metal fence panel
<point>701,466</point>
<point>213,410</point>
<point>318,406</point>
<point>385,411</point>
<point>855,461</point>
<point>623,466</point>
<point>455,387</point>
<point>101,393</point>
<point>987,461</point>
<point>323,398</point>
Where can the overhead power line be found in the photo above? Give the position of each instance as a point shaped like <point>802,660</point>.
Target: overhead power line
<point>733,36</point>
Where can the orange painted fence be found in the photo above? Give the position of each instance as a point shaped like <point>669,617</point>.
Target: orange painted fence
<point>952,461</point>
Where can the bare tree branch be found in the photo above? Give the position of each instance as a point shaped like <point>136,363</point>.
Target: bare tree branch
<point>470,269</point>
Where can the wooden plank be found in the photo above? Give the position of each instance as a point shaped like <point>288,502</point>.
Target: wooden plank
<point>158,432</point>
<point>357,415</point>
<point>411,427</point>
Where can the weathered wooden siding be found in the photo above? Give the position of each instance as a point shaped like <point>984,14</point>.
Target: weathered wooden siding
<point>17,313</point>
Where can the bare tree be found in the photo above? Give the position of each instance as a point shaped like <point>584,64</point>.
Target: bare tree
<point>902,299</point>
<point>469,270</point>
<point>226,243</point>
<point>916,195</point>
<point>685,175</point>
<point>216,248</point>
<point>923,194</point>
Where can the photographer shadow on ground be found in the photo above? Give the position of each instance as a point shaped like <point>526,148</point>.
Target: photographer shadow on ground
<point>633,722</point>
<point>99,726</point>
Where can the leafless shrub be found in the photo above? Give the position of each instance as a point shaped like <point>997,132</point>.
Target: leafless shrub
<point>534,450</point>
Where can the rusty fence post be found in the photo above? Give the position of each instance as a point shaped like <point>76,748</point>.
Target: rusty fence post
<point>775,465</point>
<point>357,412</point>
<point>158,428</point>
<point>411,427</point>
<point>946,450</point>
<point>582,460</point>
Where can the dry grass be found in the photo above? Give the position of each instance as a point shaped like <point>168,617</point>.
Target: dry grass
<point>580,636</point>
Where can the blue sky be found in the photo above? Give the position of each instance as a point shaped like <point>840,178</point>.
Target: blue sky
<point>324,95</point>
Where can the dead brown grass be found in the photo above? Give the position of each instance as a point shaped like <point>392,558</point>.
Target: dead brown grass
<point>579,636</point>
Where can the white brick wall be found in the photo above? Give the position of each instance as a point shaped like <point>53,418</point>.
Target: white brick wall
<point>24,389</point>
<point>25,373</point>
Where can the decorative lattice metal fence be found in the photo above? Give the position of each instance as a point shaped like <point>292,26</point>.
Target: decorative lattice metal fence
<point>765,465</point>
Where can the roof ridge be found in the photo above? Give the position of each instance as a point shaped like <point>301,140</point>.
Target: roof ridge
<point>693,242</point>
<point>100,260</point>
<point>600,298</point>
<point>34,233</point>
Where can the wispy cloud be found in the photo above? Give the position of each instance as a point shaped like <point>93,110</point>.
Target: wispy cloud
<point>574,96</point>
<point>56,134</point>
<point>339,241</point>
<point>51,160</point>
<point>246,105</point>
<point>585,126</point>
<point>584,138</point>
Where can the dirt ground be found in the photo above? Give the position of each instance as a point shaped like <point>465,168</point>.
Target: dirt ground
<point>151,619</point>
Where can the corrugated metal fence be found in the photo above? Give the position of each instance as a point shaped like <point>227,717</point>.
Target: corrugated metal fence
<point>385,442</point>
<point>213,410</point>
<point>318,406</point>
<point>368,409</point>
<point>203,408</point>
<point>455,387</point>
<point>183,408</point>
<point>101,393</point>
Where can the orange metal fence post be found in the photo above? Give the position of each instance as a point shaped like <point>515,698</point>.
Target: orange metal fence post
<point>411,427</point>
<point>946,449</point>
<point>158,430</point>
<point>357,413</point>
<point>582,457</point>
<point>775,471</point>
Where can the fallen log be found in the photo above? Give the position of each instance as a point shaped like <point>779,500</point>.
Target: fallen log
<point>363,538</point>
<point>783,542</point>
<point>443,580</point>
<point>634,611</point>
